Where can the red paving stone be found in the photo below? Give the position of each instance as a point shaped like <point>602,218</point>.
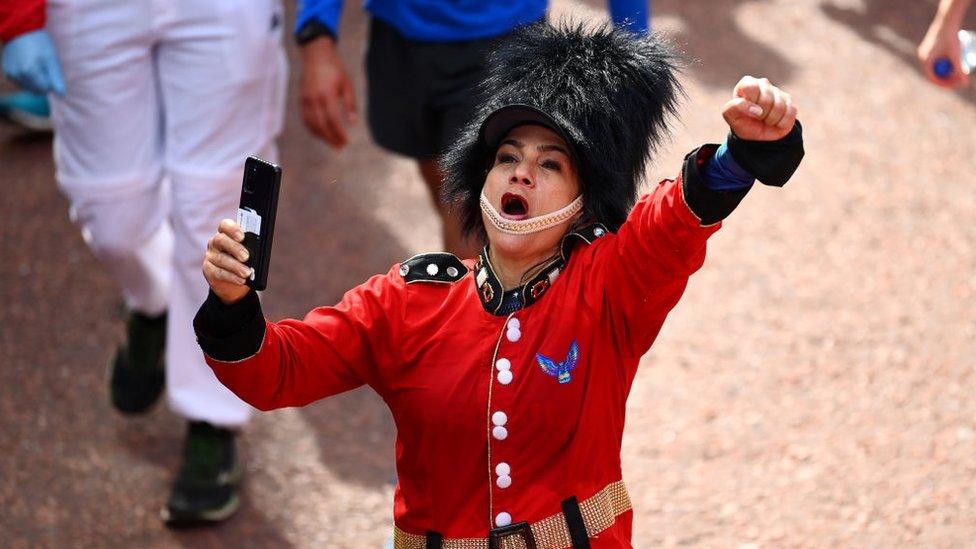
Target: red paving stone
<point>814,387</point>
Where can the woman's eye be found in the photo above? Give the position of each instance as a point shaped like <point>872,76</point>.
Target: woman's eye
<point>551,165</point>
<point>506,158</point>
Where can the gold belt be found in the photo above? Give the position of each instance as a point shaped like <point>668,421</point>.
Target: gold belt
<point>599,513</point>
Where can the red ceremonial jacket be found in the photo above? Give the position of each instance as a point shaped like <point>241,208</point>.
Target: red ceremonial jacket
<point>500,417</point>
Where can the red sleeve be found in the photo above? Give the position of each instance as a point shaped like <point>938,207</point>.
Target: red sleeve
<point>20,17</point>
<point>334,349</point>
<point>646,265</point>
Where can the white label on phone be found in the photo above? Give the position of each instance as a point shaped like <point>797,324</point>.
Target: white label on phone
<point>249,220</point>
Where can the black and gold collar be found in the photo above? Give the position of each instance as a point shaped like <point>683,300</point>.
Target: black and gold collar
<point>499,302</point>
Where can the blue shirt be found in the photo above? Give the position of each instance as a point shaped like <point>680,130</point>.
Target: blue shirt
<point>459,20</point>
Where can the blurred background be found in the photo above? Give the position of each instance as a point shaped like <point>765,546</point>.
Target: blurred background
<point>830,403</point>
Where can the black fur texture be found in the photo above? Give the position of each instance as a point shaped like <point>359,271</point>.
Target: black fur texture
<point>611,91</point>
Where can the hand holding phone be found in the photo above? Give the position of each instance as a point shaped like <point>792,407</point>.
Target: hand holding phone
<point>239,255</point>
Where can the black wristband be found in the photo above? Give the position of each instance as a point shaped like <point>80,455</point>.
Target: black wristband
<point>312,30</point>
<point>230,332</point>
<point>710,205</point>
<point>771,162</point>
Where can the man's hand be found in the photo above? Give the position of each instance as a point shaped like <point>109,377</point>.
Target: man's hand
<point>328,100</point>
<point>942,42</point>
<point>31,62</point>
<point>223,265</point>
<point>759,111</point>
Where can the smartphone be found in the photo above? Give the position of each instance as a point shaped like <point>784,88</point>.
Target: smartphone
<point>256,216</point>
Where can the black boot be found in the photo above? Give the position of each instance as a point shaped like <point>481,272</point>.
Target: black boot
<point>205,490</point>
<point>137,374</point>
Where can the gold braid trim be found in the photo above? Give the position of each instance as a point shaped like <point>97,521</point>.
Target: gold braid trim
<point>599,512</point>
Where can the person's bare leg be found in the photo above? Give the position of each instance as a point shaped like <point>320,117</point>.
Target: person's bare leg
<point>453,241</point>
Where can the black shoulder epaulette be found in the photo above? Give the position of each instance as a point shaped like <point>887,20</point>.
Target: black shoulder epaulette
<point>433,267</point>
<point>587,234</point>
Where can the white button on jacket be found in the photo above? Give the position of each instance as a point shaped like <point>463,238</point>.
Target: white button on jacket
<point>505,377</point>
<point>499,418</point>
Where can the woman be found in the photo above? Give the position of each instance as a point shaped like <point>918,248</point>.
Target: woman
<point>507,376</point>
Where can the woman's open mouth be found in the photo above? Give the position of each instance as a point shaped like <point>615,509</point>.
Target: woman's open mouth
<point>514,206</point>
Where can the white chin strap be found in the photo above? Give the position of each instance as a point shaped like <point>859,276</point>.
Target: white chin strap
<point>533,224</point>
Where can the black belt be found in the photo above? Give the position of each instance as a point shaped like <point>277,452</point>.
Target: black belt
<point>574,523</point>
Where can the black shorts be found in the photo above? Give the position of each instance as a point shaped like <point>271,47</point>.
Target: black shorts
<point>421,94</point>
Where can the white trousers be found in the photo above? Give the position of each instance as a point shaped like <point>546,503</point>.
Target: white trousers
<point>165,99</point>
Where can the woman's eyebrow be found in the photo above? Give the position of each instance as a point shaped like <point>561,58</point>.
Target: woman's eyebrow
<point>542,148</point>
<point>546,148</point>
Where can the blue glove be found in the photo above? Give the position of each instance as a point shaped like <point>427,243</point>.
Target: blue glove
<point>31,62</point>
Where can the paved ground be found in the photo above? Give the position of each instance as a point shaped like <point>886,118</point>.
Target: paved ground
<point>814,388</point>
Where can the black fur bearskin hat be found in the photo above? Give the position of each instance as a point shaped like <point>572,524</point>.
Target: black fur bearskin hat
<point>608,92</point>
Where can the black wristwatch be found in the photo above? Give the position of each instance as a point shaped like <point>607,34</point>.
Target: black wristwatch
<point>312,30</point>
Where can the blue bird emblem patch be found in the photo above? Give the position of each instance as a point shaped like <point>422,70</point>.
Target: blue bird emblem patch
<point>560,370</point>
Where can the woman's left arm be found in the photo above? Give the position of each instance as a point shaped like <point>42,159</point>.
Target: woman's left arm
<point>663,240</point>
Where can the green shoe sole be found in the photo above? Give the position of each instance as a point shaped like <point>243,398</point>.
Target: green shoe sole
<point>178,519</point>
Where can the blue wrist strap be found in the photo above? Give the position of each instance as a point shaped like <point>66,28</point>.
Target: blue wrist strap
<point>723,173</point>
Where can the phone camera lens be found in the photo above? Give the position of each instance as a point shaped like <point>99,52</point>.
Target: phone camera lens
<point>249,179</point>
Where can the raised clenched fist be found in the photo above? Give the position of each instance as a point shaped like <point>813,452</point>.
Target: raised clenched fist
<point>759,111</point>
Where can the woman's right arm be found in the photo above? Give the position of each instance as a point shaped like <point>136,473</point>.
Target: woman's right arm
<point>291,363</point>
